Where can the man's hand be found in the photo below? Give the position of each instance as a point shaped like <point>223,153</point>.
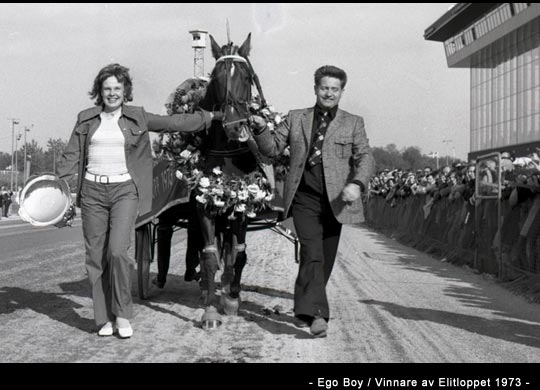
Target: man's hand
<point>257,123</point>
<point>350,193</point>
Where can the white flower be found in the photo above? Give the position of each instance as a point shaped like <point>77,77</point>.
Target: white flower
<point>242,195</point>
<point>269,197</point>
<point>204,182</point>
<point>255,106</point>
<point>179,175</point>
<point>277,119</point>
<point>253,188</point>
<point>217,191</point>
<point>219,203</point>
<point>200,199</point>
<point>185,154</point>
<point>232,195</point>
<point>217,171</point>
<point>265,112</point>
<point>260,195</point>
<point>251,214</point>
<point>270,126</point>
<point>240,208</point>
<point>196,172</point>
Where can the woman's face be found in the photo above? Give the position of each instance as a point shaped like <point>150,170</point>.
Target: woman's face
<point>112,93</point>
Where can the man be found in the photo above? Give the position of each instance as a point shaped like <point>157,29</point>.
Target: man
<point>6,201</point>
<point>331,163</point>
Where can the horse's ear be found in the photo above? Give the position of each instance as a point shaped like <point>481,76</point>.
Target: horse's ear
<point>246,47</point>
<point>216,50</point>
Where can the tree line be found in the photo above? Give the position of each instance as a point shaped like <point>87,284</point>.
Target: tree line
<point>41,160</point>
<point>408,158</point>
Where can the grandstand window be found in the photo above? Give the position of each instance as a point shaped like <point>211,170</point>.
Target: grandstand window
<point>518,7</point>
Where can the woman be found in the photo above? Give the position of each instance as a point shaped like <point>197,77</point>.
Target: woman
<point>109,149</point>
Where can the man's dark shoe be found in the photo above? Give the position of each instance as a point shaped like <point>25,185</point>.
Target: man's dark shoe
<point>302,321</point>
<point>192,275</point>
<point>318,327</point>
<point>157,283</point>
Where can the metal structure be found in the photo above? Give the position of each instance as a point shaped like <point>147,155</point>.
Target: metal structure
<point>446,142</point>
<point>488,190</point>
<point>17,139</point>
<point>26,170</point>
<point>13,123</point>
<point>198,44</point>
<point>436,156</point>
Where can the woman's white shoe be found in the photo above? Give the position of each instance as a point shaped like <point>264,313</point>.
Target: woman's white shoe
<point>124,328</point>
<point>106,330</point>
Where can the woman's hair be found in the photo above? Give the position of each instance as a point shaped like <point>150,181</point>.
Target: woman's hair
<point>122,75</point>
<point>330,71</point>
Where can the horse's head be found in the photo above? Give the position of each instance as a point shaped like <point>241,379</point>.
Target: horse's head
<point>230,86</point>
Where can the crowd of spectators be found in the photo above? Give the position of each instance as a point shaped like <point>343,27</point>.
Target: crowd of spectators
<point>457,181</point>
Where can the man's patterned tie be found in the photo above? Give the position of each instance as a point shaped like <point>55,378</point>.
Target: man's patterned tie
<point>315,156</point>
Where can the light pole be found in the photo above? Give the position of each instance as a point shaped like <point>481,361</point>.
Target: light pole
<point>435,155</point>
<point>446,141</point>
<point>54,158</point>
<point>26,174</point>
<point>13,123</point>
<point>16,161</point>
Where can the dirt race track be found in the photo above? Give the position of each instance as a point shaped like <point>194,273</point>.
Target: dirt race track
<point>389,303</point>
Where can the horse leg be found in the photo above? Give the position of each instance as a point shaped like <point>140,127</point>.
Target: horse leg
<point>209,257</point>
<point>227,261</point>
<point>238,258</point>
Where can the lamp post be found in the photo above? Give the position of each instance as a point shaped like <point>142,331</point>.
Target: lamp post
<point>435,155</point>
<point>26,173</point>
<point>16,161</point>
<point>446,141</point>
<point>13,123</point>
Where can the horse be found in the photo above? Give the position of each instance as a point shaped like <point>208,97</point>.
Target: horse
<point>229,147</point>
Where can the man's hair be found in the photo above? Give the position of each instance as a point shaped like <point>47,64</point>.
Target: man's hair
<point>122,75</point>
<point>331,71</point>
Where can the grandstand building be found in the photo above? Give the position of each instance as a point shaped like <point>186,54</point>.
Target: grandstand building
<point>500,43</point>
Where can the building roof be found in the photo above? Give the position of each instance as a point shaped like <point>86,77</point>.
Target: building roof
<point>456,19</point>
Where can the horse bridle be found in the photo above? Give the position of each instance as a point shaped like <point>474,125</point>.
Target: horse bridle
<point>254,78</point>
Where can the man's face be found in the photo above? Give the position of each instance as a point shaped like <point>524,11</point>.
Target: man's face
<point>328,92</point>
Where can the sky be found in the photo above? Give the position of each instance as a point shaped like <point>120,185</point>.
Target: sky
<point>397,81</point>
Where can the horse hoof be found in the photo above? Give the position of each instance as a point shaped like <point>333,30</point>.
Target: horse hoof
<point>230,305</point>
<point>210,319</point>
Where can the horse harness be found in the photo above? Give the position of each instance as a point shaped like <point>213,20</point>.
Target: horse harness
<point>254,78</point>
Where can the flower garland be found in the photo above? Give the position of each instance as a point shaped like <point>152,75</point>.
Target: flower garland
<point>236,196</point>
<point>218,193</point>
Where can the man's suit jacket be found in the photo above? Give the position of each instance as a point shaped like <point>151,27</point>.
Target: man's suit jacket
<point>346,156</point>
